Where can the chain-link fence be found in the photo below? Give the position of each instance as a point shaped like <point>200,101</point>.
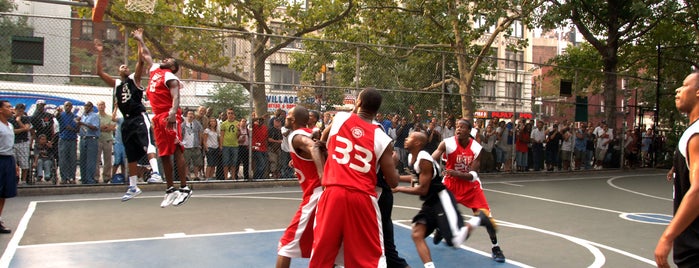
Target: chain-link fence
<point>259,77</point>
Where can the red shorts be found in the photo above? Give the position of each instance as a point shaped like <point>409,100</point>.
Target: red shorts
<point>297,240</point>
<point>350,219</point>
<point>167,139</point>
<point>467,193</point>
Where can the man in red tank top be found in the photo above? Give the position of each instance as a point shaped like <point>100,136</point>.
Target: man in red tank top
<point>164,95</point>
<point>297,240</point>
<point>461,177</point>
<point>348,212</point>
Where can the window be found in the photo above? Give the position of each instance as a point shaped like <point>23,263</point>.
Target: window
<point>284,78</point>
<point>517,29</point>
<point>483,22</point>
<point>513,90</point>
<point>86,30</point>
<point>487,90</point>
<point>111,34</point>
<point>514,59</point>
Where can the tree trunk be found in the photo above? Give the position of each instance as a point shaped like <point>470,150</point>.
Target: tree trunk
<point>610,89</point>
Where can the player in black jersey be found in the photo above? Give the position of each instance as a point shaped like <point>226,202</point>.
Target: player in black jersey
<point>136,133</point>
<point>439,209</point>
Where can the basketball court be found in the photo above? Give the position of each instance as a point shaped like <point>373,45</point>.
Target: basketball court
<point>606,218</point>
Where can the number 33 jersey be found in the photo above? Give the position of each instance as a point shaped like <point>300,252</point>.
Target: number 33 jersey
<point>354,149</point>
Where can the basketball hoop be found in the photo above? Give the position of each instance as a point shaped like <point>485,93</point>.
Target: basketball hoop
<point>144,6</point>
<point>98,10</point>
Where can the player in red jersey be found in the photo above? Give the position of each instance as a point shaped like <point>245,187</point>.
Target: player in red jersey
<point>297,240</point>
<point>164,94</point>
<point>461,177</point>
<point>348,212</point>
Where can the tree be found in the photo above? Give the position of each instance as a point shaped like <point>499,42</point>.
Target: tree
<point>203,42</point>
<point>611,27</point>
<point>463,31</point>
<point>11,26</point>
<point>224,96</point>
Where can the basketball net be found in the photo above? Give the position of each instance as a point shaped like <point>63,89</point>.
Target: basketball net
<point>144,6</point>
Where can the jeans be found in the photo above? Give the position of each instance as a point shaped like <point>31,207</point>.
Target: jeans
<point>538,155</point>
<point>284,158</point>
<point>230,156</point>
<point>67,163</point>
<point>243,159</point>
<point>88,160</point>
<point>43,168</point>
<point>260,160</point>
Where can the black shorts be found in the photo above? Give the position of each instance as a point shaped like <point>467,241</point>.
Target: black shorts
<point>136,135</point>
<point>433,215</point>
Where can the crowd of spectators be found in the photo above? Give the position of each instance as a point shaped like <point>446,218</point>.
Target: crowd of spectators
<point>217,146</point>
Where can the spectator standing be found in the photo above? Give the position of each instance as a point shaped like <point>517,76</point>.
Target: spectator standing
<point>522,147</point>
<point>244,149</point>
<point>630,149</point>
<point>433,136</point>
<point>259,149</point>
<point>488,159</point>
<point>448,129</point>
<point>89,124</point>
<point>402,132</point>
<point>285,156</point>
<point>192,139</point>
<point>538,137</point>
<point>201,116</point>
<point>553,142</point>
<point>274,145</point>
<point>579,147</point>
<point>566,147</point>
<point>646,143</point>
<point>8,176</point>
<point>119,150</point>
<point>229,144</point>
<point>105,147</point>
<point>22,128</point>
<point>604,137</point>
<point>212,148</point>
<point>67,142</point>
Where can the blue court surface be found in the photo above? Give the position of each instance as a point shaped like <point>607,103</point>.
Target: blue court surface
<point>246,249</point>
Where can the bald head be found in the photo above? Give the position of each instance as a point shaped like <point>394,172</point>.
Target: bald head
<point>416,141</point>
<point>370,100</point>
<point>297,117</point>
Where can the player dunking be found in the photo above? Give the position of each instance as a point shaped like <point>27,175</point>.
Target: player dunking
<point>135,129</point>
<point>348,213</point>
<point>439,209</point>
<point>298,237</point>
<point>164,94</point>
<point>460,177</point>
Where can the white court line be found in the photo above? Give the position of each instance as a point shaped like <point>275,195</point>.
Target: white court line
<point>512,184</point>
<point>11,248</point>
<point>611,183</point>
<point>554,201</point>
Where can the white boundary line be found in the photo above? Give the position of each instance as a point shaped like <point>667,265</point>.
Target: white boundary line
<point>611,180</point>
<point>12,246</point>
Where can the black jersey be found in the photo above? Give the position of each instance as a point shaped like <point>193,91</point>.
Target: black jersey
<point>686,245</point>
<point>436,184</point>
<point>129,97</point>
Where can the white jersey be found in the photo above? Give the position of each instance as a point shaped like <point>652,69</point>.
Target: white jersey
<point>692,130</point>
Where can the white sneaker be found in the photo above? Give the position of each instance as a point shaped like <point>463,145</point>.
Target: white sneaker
<point>184,195</point>
<point>155,178</point>
<point>460,236</point>
<point>170,195</point>
<point>131,192</point>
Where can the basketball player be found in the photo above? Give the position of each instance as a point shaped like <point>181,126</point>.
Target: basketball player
<point>164,94</point>
<point>682,234</point>
<point>348,213</point>
<point>460,177</point>
<point>135,130</point>
<point>439,209</point>
<point>298,237</point>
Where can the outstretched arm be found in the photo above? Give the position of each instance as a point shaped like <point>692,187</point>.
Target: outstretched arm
<point>143,52</point>
<point>100,71</point>
<point>140,64</point>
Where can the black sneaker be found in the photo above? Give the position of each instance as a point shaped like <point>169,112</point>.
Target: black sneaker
<point>3,229</point>
<point>436,237</point>
<point>487,222</point>
<point>497,254</point>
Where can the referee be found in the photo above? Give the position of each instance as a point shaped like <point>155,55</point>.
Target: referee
<point>8,176</point>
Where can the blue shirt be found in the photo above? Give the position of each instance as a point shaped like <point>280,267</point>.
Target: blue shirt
<point>93,120</point>
<point>66,120</point>
<point>117,133</point>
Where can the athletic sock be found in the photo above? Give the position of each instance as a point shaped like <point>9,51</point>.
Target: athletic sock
<point>154,165</point>
<point>474,221</point>
<point>429,265</point>
<point>133,180</point>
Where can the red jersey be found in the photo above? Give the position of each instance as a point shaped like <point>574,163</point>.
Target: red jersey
<point>354,149</point>
<point>306,171</point>
<point>460,158</point>
<point>158,93</point>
